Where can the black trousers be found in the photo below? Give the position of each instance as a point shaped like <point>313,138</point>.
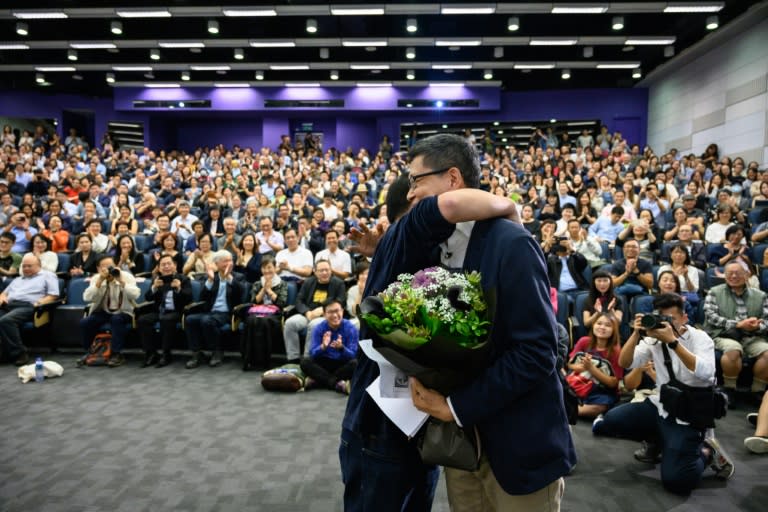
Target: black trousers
<point>12,317</point>
<point>328,371</point>
<point>260,335</point>
<point>146,327</point>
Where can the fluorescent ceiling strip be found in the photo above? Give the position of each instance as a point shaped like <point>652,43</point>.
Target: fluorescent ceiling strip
<point>374,84</point>
<point>93,46</point>
<point>357,11</point>
<point>650,41</point>
<point>13,46</point>
<point>132,68</point>
<point>628,65</point>
<point>352,43</point>
<point>210,68</point>
<point>272,44</point>
<point>369,66</point>
<point>553,42</point>
<point>40,15</point>
<point>450,42</point>
<point>446,84</point>
<point>451,66</point>
<point>54,69</point>
<point>288,67</point>
<point>231,85</point>
<point>467,10</point>
<point>580,9</point>
<point>144,13</point>
<point>248,12</point>
<point>534,66</point>
<point>162,86</point>
<point>694,7</point>
<point>181,44</point>
<point>302,84</point>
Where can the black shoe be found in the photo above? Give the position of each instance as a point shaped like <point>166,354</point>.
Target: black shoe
<point>22,359</point>
<point>752,418</point>
<point>649,453</point>
<point>150,359</point>
<point>216,359</point>
<point>164,360</point>
<point>116,360</point>
<point>197,358</point>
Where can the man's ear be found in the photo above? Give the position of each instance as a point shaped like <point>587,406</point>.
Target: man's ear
<point>457,181</point>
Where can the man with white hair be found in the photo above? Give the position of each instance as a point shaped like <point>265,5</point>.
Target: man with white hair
<point>223,290</point>
<point>32,288</point>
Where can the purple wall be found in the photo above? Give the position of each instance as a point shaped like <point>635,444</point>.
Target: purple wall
<point>238,115</point>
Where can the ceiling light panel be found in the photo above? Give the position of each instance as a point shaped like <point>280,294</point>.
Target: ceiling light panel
<point>248,13</point>
<point>289,67</point>
<point>272,44</point>
<point>637,41</point>
<point>143,13</point>
<point>579,9</point>
<point>40,15</point>
<point>209,68</point>
<point>542,65</point>
<point>132,68</point>
<point>159,85</point>
<point>553,41</point>
<point>468,9</point>
<point>92,46</point>
<point>181,44</point>
<point>458,42</point>
<point>357,10</point>
<point>13,46</point>
<point>451,66</point>
<point>618,65</point>
<point>363,42</point>
<point>678,7</point>
<point>54,69</point>
<point>368,66</point>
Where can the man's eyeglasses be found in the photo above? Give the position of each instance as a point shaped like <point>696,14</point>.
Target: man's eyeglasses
<point>414,178</point>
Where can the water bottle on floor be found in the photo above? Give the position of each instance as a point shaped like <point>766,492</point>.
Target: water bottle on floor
<point>39,370</point>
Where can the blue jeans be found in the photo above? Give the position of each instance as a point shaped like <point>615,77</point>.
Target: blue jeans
<point>682,462</point>
<point>119,324</point>
<point>384,475</point>
<point>629,290</point>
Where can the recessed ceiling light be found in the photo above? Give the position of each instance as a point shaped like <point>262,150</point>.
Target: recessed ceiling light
<point>22,29</point>
<point>410,74</point>
<point>72,55</point>
<point>495,123</point>
<point>411,26</point>
<point>239,54</point>
<point>628,48</point>
<point>637,73</point>
<point>213,27</point>
<point>410,53</point>
<point>498,52</point>
<point>144,13</point>
<point>116,27</point>
<point>185,76</point>
<point>694,7</point>
<point>445,126</point>
<point>324,53</point>
<point>40,15</point>
<point>588,52</point>
<point>513,24</point>
<point>669,51</point>
<point>334,75</point>
<point>39,78</point>
<point>712,23</point>
<point>488,74</point>
<point>77,77</point>
<point>110,78</point>
<point>248,12</point>
<point>311,26</point>
<point>409,105</point>
<point>259,75</point>
<point>154,54</point>
<point>566,74</point>
<point>617,23</point>
<point>499,132</point>
<point>357,11</point>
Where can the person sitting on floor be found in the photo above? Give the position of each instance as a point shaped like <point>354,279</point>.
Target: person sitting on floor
<point>112,293</point>
<point>333,350</point>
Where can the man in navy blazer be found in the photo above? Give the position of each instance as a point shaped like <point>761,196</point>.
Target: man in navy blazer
<point>516,404</point>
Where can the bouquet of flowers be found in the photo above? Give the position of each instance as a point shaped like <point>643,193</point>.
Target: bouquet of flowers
<point>433,325</point>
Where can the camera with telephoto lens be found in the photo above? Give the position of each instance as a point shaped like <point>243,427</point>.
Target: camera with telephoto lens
<point>558,245</point>
<point>114,272</point>
<point>653,321</point>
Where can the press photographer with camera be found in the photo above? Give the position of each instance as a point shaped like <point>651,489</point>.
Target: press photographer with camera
<point>684,449</point>
<point>112,294</point>
<point>170,293</point>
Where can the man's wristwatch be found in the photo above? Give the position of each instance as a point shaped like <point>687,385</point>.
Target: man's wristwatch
<point>672,345</point>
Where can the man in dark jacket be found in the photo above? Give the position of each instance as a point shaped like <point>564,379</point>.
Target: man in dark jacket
<point>309,306</point>
<point>222,291</point>
<point>170,292</point>
<point>565,267</point>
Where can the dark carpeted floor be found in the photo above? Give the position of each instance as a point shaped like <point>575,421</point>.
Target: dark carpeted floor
<point>131,439</point>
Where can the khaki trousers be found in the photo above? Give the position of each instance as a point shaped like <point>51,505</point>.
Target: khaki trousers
<point>476,491</point>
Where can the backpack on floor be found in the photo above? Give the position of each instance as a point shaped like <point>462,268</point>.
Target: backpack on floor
<point>100,351</point>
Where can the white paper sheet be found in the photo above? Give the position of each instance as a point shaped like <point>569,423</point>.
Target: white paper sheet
<point>391,392</point>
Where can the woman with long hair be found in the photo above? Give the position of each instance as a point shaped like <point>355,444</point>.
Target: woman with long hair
<point>248,261</point>
<point>602,298</point>
<point>168,245</point>
<point>597,357</point>
<point>126,256</point>
<point>83,261</point>
<point>199,260</point>
<point>41,247</point>
<point>125,215</point>
<point>263,325</point>
<point>687,274</point>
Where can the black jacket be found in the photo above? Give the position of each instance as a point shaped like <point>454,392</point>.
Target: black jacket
<point>180,298</point>
<point>336,290</point>
<point>235,291</point>
<point>576,265</point>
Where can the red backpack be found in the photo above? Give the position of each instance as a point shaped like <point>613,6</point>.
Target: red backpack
<point>100,351</point>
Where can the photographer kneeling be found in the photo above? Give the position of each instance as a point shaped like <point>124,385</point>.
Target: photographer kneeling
<point>112,294</point>
<point>683,449</point>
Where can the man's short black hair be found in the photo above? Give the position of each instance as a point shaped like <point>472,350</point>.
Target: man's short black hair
<point>445,150</point>
<point>103,257</point>
<point>618,210</point>
<point>397,199</point>
<point>330,302</point>
<point>667,301</point>
<point>8,235</point>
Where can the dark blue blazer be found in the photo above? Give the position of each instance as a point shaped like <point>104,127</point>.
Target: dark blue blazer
<point>517,402</point>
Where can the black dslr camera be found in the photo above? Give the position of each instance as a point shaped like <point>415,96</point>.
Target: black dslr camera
<point>653,321</point>
<point>114,272</point>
